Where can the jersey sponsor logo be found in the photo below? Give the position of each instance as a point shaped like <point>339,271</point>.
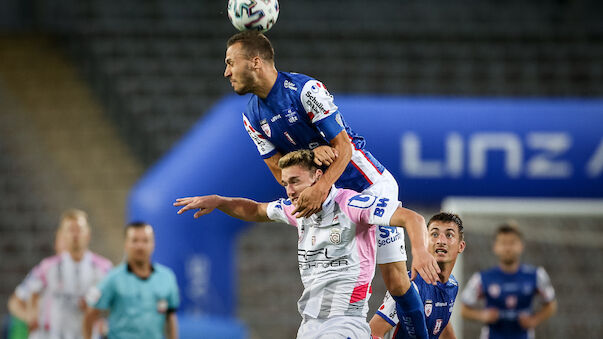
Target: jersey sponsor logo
<point>319,258</point>
<point>428,307</point>
<point>362,201</point>
<point>389,234</point>
<point>335,236</point>
<point>288,84</point>
<point>511,301</point>
<point>382,203</point>
<point>494,290</point>
<point>315,105</point>
<point>275,118</point>
<point>438,326</point>
<point>291,116</point>
<point>265,127</point>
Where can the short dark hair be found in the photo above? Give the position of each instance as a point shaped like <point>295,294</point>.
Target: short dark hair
<point>136,224</point>
<point>509,227</point>
<point>449,217</point>
<point>254,44</point>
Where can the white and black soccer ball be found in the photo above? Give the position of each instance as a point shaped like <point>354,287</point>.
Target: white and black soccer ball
<point>257,15</point>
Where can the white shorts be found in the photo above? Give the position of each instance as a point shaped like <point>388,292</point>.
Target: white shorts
<point>390,240</point>
<point>338,327</point>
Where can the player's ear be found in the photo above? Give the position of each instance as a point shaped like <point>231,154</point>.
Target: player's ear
<point>318,174</point>
<point>256,62</point>
<point>462,246</point>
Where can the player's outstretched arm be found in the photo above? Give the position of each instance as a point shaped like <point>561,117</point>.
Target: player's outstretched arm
<point>240,208</point>
<point>311,199</point>
<point>422,261</point>
<point>90,317</point>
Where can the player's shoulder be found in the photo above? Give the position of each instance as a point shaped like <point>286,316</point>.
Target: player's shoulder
<point>49,262</point>
<point>452,281</point>
<point>297,79</point>
<point>527,269</point>
<point>100,261</point>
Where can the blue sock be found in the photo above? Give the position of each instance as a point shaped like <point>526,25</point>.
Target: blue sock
<point>410,315</point>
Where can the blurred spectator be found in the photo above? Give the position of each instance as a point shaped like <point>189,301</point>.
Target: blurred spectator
<point>141,296</point>
<point>508,291</point>
<point>51,298</point>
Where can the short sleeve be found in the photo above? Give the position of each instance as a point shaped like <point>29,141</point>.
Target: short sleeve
<point>265,147</point>
<point>276,212</point>
<point>387,310</point>
<point>544,285</point>
<point>174,297</point>
<point>101,296</point>
<point>368,209</point>
<point>29,286</point>
<point>473,291</point>
<point>321,109</point>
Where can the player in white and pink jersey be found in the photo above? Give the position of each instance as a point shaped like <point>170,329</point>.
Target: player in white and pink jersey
<point>336,248</point>
<point>58,284</point>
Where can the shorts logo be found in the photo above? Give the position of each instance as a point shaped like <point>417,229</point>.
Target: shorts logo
<point>266,127</point>
<point>335,237</point>
<point>428,307</point>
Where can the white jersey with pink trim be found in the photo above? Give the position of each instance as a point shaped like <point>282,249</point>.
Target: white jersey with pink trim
<point>336,251</point>
<point>62,284</point>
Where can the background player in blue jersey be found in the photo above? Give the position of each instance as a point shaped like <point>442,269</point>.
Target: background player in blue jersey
<point>446,242</point>
<point>508,291</point>
<point>289,112</point>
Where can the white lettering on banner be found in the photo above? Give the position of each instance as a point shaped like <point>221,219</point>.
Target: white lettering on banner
<point>414,166</point>
<point>198,269</point>
<point>552,145</point>
<point>545,160</point>
<point>481,143</point>
<point>594,167</point>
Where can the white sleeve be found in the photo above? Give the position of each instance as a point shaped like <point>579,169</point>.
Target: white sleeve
<point>387,310</point>
<point>317,100</point>
<point>473,291</point>
<point>32,284</point>
<point>382,211</point>
<point>276,212</point>
<point>544,285</point>
<point>369,209</point>
<point>263,145</point>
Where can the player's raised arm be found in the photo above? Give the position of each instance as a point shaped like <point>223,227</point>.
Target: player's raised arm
<point>422,262</point>
<point>272,164</point>
<point>310,201</point>
<point>240,208</point>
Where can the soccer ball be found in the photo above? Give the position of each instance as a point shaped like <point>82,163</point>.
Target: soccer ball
<point>258,15</point>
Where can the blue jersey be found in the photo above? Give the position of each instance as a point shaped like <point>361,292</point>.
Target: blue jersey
<point>437,302</point>
<point>299,113</point>
<point>511,294</point>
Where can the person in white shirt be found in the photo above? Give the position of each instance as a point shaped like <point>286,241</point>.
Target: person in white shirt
<point>336,247</point>
<point>51,298</point>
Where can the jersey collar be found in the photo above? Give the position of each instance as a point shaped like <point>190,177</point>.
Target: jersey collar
<point>274,89</point>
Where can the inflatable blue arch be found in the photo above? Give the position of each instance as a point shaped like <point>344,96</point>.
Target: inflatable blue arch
<point>435,147</point>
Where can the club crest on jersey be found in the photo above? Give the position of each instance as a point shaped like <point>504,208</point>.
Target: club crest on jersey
<point>266,127</point>
<point>494,290</point>
<point>428,307</point>
<point>335,237</point>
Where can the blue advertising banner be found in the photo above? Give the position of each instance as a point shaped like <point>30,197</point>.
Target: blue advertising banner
<point>434,147</point>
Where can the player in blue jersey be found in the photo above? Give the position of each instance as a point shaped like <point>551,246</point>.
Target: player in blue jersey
<point>446,242</point>
<point>290,111</point>
<point>508,291</point>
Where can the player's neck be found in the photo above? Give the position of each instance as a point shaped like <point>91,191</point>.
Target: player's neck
<point>509,268</point>
<point>77,255</point>
<point>446,271</point>
<point>141,268</point>
<point>266,82</point>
